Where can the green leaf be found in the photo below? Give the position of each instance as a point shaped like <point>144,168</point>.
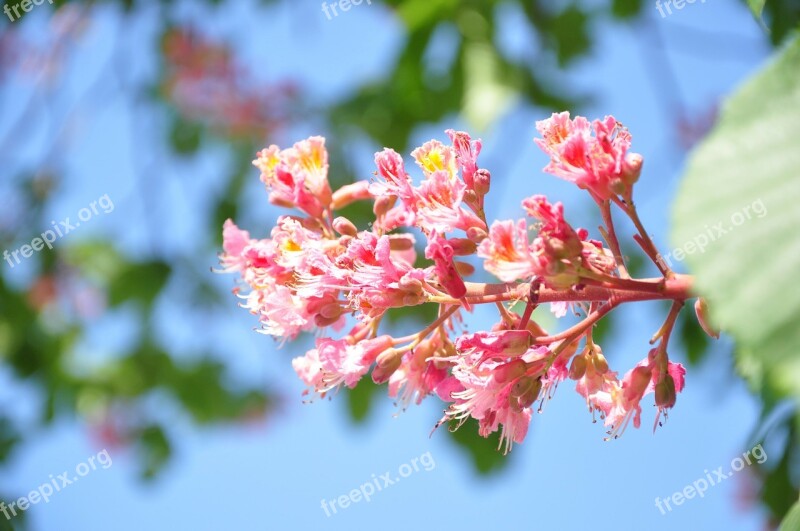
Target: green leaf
<point>626,9</point>
<point>743,179</point>
<point>155,450</point>
<point>694,339</point>
<point>484,451</point>
<point>139,282</point>
<point>185,136</point>
<point>486,97</point>
<point>360,398</point>
<point>757,7</point>
<point>792,520</point>
<point>420,13</point>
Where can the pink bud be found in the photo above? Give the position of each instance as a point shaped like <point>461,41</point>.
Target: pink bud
<point>344,226</point>
<point>463,246</point>
<point>383,204</point>
<point>483,181</point>
<point>350,193</point>
<point>464,269</point>
<point>401,242</point>
<point>510,371</point>
<point>387,363</point>
<point>578,367</point>
<point>701,309</point>
<point>599,363</point>
<point>374,348</point>
<point>476,234</point>
<point>632,168</point>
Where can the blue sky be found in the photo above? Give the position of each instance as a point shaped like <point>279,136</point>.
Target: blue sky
<point>274,476</point>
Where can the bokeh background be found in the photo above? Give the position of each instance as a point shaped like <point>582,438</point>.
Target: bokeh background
<point>123,338</point>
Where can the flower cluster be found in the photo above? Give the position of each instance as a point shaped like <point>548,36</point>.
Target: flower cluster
<point>318,272</point>
<point>204,82</point>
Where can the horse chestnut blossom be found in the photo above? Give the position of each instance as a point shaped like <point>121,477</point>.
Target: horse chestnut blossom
<point>318,272</point>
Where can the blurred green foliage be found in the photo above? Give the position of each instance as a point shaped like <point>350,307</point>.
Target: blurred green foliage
<point>748,295</point>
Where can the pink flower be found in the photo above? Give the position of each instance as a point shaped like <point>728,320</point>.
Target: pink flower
<point>560,309</point>
<point>281,312</point>
<point>599,163</point>
<point>380,278</point>
<point>418,376</point>
<point>441,252</point>
<point>336,362</point>
<point>595,382</point>
<point>396,181</point>
<point>433,157</point>
<point>467,151</point>
<point>501,344</point>
<point>507,251</point>
<point>647,377</point>
<point>439,205</point>
<point>559,240</point>
<point>494,393</point>
<point>234,242</point>
<point>297,176</point>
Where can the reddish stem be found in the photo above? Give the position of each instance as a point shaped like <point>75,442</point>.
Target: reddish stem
<point>678,287</point>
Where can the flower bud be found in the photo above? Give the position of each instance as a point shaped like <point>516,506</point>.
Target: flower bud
<point>578,367</point>
<point>599,363</point>
<point>401,242</point>
<point>632,168</point>
<point>388,361</point>
<point>464,269</point>
<point>514,342</point>
<point>665,392</point>
<point>463,246</point>
<point>482,180</point>
<point>525,391</point>
<point>510,371</point>
<point>279,201</point>
<point>322,321</point>
<point>344,226</point>
<point>331,310</point>
<point>383,204</point>
<point>476,234</point>
<point>701,310</point>
<point>388,357</point>
<point>350,193</point>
